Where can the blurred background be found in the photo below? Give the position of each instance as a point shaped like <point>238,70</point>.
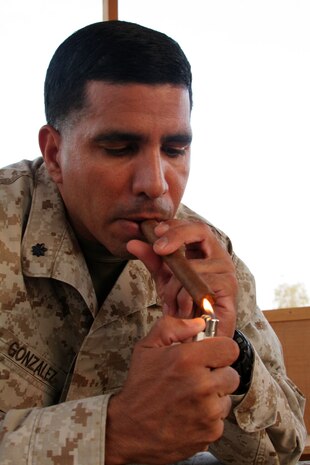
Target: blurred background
<point>251,117</point>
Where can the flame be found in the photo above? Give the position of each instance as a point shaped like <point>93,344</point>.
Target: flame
<point>207,306</point>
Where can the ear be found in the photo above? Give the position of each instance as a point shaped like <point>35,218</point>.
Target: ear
<point>49,141</point>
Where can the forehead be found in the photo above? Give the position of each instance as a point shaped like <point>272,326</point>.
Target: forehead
<point>136,104</point>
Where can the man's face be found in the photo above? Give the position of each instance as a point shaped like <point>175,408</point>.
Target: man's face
<point>123,159</point>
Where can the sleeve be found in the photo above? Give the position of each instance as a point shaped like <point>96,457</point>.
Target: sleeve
<point>266,425</point>
<point>72,433</point>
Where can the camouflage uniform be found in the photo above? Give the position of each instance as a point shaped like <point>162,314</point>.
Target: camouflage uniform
<point>61,357</point>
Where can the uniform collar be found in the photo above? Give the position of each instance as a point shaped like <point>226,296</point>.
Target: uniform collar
<point>51,250</point>
<point>49,246</point>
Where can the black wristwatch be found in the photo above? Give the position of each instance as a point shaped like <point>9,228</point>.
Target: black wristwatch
<point>244,363</point>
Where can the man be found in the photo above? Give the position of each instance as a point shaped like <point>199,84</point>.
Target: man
<point>99,362</point>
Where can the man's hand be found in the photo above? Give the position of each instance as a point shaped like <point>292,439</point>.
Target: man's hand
<point>176,396</point>
<point>209,259</point>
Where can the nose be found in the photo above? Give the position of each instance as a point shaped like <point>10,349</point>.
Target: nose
<point>150,175</point>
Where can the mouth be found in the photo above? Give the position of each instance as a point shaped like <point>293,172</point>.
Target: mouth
<point>132,224</point>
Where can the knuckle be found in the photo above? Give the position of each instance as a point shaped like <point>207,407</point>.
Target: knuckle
<point>234,349</point>
<point>215,411</point>
<point>183,361</point>
<point>216,431</point>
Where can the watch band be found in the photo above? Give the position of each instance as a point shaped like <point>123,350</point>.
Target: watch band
<point>244,363</point>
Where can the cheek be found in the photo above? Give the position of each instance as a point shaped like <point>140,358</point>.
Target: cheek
<point>103,190</point>
<point>177,182</point>
<point>77,185</point>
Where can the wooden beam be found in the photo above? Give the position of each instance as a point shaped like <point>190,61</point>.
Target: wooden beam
<point>110,9</point>
<point>288,314</point>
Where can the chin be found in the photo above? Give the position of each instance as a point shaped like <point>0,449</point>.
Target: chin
<point>121,252</point>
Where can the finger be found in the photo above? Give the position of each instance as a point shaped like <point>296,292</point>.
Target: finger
<point>175,233</point>
<point>226,381</point>
<point>216,408</point>
<point>217,352</point>
<point>214,352</point>
<point>226,406</point>
<point>168,330</point>
<point>145,253</point>
<point>215,265</point>
<point>170,294</point>
<point>177,300</point>
<point>185,305</point>
<point>225,282</point>
<point>215,411</point>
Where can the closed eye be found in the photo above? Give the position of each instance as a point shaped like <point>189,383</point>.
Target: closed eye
<point>119,150</point>
<point>175,151</point>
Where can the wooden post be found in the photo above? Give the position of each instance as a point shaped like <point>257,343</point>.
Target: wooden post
<point>110,9</point>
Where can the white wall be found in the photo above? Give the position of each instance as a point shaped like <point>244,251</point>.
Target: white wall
<point>251,122</point>
<point>30,31</point>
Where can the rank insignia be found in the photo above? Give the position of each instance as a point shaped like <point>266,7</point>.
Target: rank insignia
<point>39,250</point>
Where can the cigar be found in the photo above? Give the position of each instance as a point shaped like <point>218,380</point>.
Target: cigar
<point>181,268</point>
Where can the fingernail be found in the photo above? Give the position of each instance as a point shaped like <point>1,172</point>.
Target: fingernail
<point>162,227</point>
<point>161,243</point>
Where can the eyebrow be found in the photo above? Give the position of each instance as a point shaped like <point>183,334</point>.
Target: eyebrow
<point>184,138</point>
<point>111,136</point>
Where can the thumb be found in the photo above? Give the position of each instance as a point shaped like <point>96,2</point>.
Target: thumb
<point>168,330</point>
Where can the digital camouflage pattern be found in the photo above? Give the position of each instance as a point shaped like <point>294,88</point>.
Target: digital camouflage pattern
<point>61,357</point>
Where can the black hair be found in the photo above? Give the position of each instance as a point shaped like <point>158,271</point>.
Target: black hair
<point>115,52</point>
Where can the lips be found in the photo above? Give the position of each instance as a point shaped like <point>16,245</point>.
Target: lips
<point>144,218</point>
<point>131,225</point>
<point>158,215</point>
<point>130,228</point>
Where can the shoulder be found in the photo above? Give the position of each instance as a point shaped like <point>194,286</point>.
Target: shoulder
<point>17,183</point>
<point>23,169</point>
